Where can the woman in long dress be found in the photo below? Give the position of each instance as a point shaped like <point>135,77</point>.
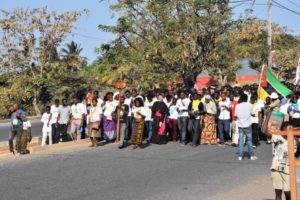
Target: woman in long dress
<point>159,114</point>
<point>209,133</point>
<point>109,119</point>
<point>139,114</point>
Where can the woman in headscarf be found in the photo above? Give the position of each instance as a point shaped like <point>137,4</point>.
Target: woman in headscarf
<point>109,119</point>
<point>139,114</point>
<point>209,133</point>
<point>159,114</point>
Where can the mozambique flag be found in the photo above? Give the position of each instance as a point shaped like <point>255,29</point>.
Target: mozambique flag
<point>262,94</point>
<point>274,85</point>
<point>263,78</point>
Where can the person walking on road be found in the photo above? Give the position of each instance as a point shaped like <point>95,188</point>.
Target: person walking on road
<point>224,119</point>
<point>243,114</point>
<point>209,133</point>
<point>124,110</point>
<point>46,127</point>
<point>16,131</point>
<point>64,121</point>
<point>53,121</point>
<point>280,164</point>
<point>26,136</point>
<point>139,113</point>
<point>95,117</point>
<point>183,116</point>
<point>78,115</point>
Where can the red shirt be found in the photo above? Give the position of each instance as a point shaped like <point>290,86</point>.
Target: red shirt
<point>234,104</point>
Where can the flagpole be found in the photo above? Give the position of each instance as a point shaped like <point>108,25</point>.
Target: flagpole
<point>297,73</point>
<point>260,80</point>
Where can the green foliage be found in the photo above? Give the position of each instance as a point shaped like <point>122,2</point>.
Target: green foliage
<point>158,40</point>
<point>33,70</point>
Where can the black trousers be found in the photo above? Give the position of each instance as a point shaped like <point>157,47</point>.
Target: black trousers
<point>295,122</point>
<point>255,136</point>
<point>15,132</point>
<point>194,128</point>
<point>55,133</point>
<point>62,129</point>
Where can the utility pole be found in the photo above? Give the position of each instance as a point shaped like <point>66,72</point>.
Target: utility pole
<point>269,33</point>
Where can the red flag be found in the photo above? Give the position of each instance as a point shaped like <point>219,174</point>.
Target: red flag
<point>264,82</point>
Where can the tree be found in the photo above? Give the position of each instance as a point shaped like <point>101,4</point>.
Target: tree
<point>30,38</point>
<point>160,39</point>
<point>71,56</point>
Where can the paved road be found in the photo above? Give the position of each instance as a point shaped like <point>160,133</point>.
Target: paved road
<point>168,172</point>
<point>36,129</point>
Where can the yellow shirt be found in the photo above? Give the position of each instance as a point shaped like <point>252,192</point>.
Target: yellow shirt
<point>195,105</point>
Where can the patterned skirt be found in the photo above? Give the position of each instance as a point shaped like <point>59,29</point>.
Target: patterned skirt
<point>137,132</point>
<point>209,133</point>
<point>24,141</point>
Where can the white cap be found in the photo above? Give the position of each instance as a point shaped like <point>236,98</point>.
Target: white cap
<point>207,97</point>
<point>274,95</point>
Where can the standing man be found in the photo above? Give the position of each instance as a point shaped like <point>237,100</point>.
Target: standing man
<point>182,105</point>
<point>243,114</point>
<point>16,128</point>
<point>224,119</point>
<point>78,114</point>
<point>149,120</point>
<point>124,110</point>
<point>127,101</point>
<point>255,119</point>
<point>64,120</point>
<point>234,127</point>
<point>99,100</point>
<point>196,113</point>
<point>53,121</point>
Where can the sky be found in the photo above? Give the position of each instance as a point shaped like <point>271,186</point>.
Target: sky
<point>90,37</point>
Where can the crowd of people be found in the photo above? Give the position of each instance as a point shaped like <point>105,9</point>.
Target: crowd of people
<point>213,116</point>
<point>223,116</point>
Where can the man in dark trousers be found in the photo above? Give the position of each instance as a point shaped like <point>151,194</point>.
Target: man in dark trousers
<point>16,128</point>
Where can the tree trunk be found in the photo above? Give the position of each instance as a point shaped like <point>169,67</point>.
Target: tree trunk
<point>35,106</point>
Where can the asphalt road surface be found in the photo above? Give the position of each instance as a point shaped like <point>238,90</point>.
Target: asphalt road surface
<point>167,172</point>
<point>36,129</point>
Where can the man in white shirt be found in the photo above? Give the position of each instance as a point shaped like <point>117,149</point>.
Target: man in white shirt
<point>255,119</point>
<point>224,119</point>
<point>182,106</point>
<point>53,121</point>
<point>46,129</point>
<point>243,113</point>
<point>64,119</point>
<point>78,114</point>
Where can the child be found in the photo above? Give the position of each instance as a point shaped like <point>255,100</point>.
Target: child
<point>46,127</point>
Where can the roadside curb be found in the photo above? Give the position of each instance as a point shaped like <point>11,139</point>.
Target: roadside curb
<point>36,148</point>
